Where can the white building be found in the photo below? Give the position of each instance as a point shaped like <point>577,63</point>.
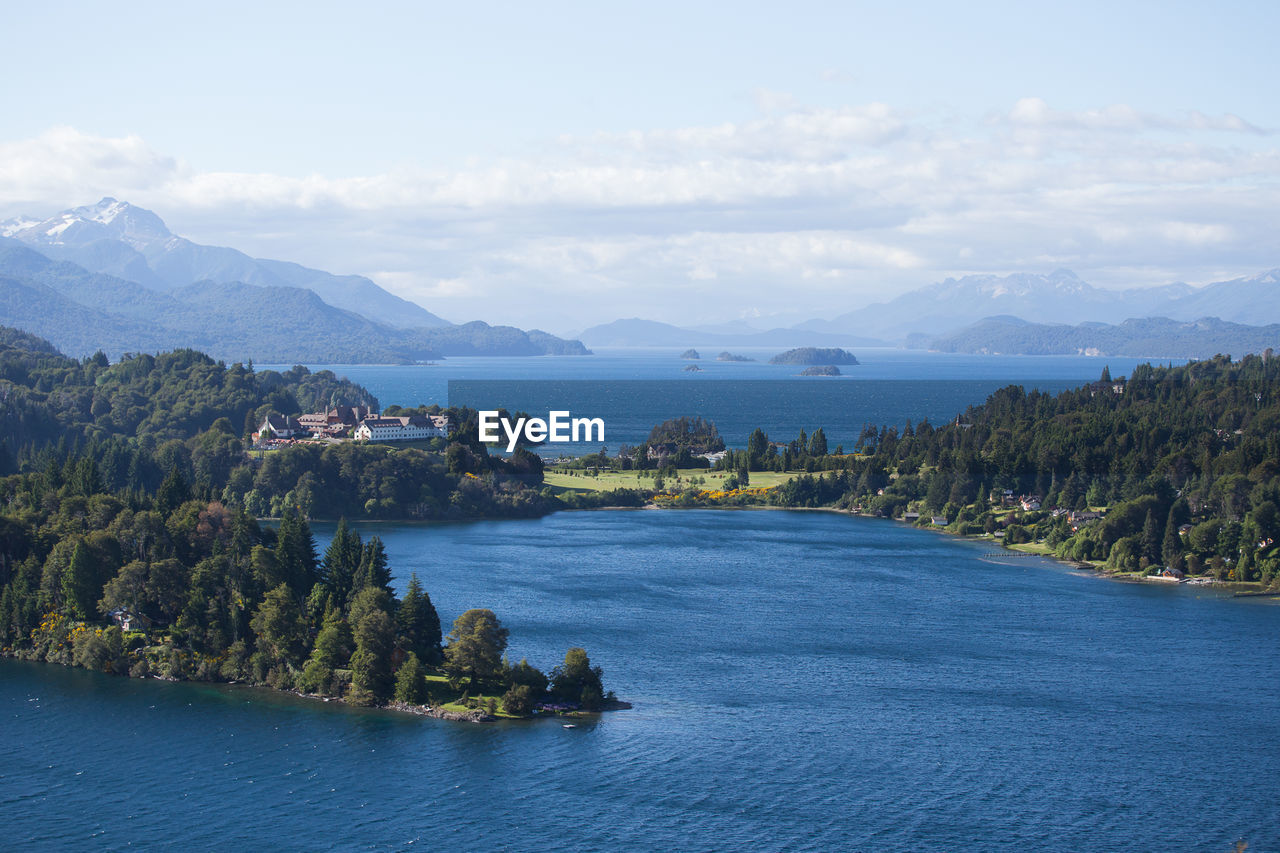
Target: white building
<point>403,428</point>
<point>280,426</point>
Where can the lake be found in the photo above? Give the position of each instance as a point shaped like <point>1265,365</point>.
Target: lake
<point>632,390</point>
<point>801,681</point>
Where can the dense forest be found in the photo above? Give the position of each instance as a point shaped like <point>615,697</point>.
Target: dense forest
<point>129,539</point>
<point>1176,467</point>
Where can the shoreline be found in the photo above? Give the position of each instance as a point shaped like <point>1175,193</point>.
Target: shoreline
<point>474,715</point>
<point>1238,589</point>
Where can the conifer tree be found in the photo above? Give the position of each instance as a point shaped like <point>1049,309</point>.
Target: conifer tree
<point>371,681</point>
<point>79,590</point>
<point>372,570</point>
<point>340,563</point>
<point>418,622</point>
<point>296,553</point>
<point>173,492</point>
<point>818,443</point>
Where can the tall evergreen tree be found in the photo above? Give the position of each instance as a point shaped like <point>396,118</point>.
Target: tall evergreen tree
<point>418,622</point>
<point>341,561</point>
<point>818,443</point>
<point>173,492</point>
<point>296,553</point>
<point>372,628</point>
<point>373,570</point>
<point>80,590</point>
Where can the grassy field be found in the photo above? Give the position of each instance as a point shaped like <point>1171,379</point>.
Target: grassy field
<point>1032,548</point>
<point>441,695</point>
<point>560,479</point>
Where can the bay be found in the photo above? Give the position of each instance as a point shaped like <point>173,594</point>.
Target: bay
<point>801,681</point>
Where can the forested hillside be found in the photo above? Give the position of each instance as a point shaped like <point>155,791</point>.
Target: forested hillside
<point>1194,445</point>
<point>129,500</point>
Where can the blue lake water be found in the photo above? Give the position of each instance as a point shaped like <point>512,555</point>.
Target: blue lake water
<point>632,390</point>
<point>801,680</point>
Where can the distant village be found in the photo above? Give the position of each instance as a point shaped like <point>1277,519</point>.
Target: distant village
<point>348,423</point>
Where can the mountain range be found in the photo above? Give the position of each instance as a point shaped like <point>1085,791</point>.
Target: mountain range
<point>1058,297</point>
<point>1023,313</point>
<point>111,276</point>
<point>1151,337</point>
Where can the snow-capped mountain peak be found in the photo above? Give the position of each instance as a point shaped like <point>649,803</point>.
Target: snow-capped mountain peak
<point>1268,277</point>
<point>10,227</point>
<point>109,219</point>
<point>105,211</point>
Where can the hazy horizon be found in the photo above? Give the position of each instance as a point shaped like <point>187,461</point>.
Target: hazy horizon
<point>564,167</point>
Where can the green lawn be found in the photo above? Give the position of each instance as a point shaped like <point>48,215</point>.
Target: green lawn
<point>560,479</point>
<point>441,695</point>
<point>1032,548</point>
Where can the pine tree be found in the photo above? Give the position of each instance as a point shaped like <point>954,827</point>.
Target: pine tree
<point>418,622</point>
<point>341,561</point>
<point>818,443</point>
<point>296,553</point>
<point>372,570</point>
<point>79,590</point>
<point>173,492</point>
<point>371,681</point>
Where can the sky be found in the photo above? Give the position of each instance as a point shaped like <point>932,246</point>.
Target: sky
<point>558,165</point>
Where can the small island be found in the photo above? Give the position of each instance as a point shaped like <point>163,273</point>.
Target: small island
<point>692,368</point>
<point>690,355</point>
<point>728,356</point>
<point>821,370</point>
<point>815,356</point>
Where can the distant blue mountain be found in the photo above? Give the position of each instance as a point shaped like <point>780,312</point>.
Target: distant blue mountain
<point>1151,337</point>
<point>1057,297</point>
<point>82,311</point>
<point>131,243</point>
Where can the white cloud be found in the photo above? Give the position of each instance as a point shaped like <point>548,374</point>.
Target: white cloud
<point>711,222</point>
<point>1121,117</point>
<point>63,165</point>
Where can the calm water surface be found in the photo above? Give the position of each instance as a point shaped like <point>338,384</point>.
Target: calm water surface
<point>634,389</point>
<point>802,681</point>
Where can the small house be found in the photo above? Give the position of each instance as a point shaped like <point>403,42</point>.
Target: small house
<point>129,620</point>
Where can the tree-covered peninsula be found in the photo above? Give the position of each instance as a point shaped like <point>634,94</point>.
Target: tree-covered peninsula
<point>1174,470</point>
<point>130,540</point>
